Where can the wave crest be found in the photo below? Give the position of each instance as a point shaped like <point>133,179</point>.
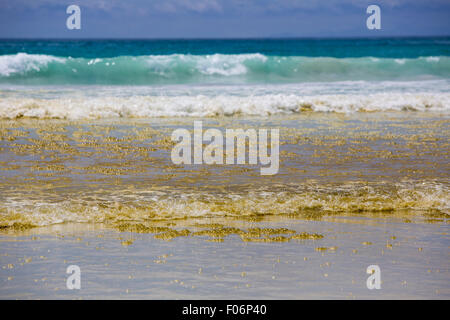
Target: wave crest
<point>24,64</point>
<point>307,201</point>
<point>25,68</point>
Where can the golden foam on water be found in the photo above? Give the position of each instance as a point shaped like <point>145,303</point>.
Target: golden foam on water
<point>217,232</point>
<point>120,174</point>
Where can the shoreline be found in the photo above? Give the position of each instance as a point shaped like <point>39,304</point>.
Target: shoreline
<point>135,265</point>
<point>352,191</point>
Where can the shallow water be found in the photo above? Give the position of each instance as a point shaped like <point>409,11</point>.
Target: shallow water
<point>352,191</point>
<point>56,171</point>
<point>413,259</point>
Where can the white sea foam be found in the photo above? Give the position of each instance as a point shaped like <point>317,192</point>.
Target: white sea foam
<point>433,59</point>
<point>22,62</point>
<point>219,105</point>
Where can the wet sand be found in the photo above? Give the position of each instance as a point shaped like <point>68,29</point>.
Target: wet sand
<point>413,258</point>
<point>352,191</point>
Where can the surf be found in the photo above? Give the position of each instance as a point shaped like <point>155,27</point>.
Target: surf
<point>256,68</point>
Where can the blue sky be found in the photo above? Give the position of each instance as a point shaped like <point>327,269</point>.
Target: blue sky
<point>222,18</point>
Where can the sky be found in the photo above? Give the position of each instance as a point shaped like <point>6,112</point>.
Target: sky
<point>222,18</point>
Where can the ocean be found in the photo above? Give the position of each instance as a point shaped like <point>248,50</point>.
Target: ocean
<point>85,151</point>
<point>122,78</point>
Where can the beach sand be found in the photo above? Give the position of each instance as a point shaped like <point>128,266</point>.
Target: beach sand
<point>123,265</point>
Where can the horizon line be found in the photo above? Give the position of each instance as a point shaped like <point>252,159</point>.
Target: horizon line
<point>232,38</point>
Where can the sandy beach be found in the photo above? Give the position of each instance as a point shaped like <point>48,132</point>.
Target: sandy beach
<point>119,176</point>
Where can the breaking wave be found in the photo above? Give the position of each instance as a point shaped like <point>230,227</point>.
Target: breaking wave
<point>23,68</point>
<point>308,201</point>
<point>75,108</point>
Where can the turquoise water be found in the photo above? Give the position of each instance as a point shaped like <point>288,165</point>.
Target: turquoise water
<point>162,62</point>
<point>337,48</point>
<point>164,78</point>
